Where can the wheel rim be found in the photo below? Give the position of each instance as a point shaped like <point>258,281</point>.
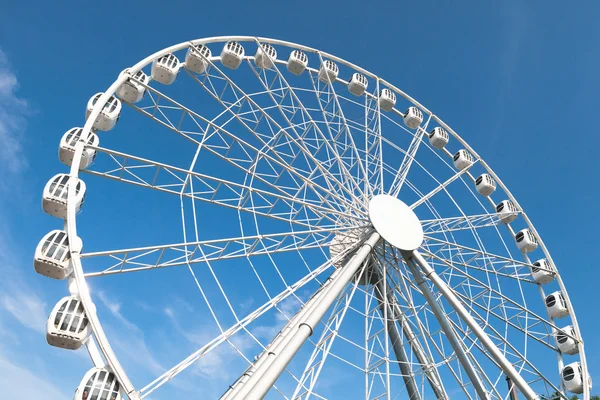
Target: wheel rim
<point>346,209</point>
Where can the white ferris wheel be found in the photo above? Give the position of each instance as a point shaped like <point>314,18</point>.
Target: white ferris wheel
<point>298,177</point>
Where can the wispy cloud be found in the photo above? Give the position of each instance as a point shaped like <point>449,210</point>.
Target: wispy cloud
<point>23,308</point>
<point>129,338</point>
<point>287,309</point>
<point>17,298</point>
<point>13,113</point>
<point>213,365</point>
<point>18,382</point>
<point>28,309</point>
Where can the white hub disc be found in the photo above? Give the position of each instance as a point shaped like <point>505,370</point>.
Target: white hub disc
<point>395,222</point>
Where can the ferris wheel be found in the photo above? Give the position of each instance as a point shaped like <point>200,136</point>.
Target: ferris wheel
<point>395,261</point>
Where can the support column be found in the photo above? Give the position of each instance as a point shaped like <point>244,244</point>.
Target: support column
<point>249,378</point>
<point>485,340</point>
<point>395,338</point>
<point>446,327</point>
<point>395,311</point>
<point>258,386</point>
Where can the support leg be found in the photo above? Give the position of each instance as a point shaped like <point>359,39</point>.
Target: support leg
<point>397,314</point>
<point>485,340</point>
<point>447,328</point>
<point>394,334</point>
<point>265,376</point>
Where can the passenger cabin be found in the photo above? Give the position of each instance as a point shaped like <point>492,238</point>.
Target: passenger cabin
<point>52,256</point>
<point>98,384</point>
<point>133,90</point>
<point>438,137</point>
<point>565,340</point>
<point>413,117</point>
<point>485,184</point>
<point>507,211</point>
<point>462,159</point>
<point>572,377</point>
<point>232,55</point>
<point>68,326</point>
<point>108,116</point>
<point>526,241</point>
<point>165,69</point>
<point>297,62</point>
<point>56,191</point>
<point>329,71</point>
<point>387,99</point>
<point>556,305</point>
<point>265,56</point>
<point>66,149</point>
<point>358,84</point>
<point>542,272</point>
<point>196,58</point>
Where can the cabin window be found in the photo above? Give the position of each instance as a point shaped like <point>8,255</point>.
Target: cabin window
<point>561,337</point>
<point>550,301</point>
<point>568,374</point>
<point>97,389</point>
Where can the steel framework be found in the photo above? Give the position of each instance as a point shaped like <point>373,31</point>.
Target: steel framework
<point>297,161</point>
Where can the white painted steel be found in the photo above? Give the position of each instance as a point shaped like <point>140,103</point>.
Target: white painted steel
<point>344,194</point>
<point>306,327</point>
<point>456,343</point>
<point>500,358</point>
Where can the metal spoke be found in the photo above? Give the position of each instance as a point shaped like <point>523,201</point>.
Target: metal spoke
<point>286,163</point>
<point>172,255</point>
<point>214,190</point>
<point>274,127</point>
<point>408,159</point>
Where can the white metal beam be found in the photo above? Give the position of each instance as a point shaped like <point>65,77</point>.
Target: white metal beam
<point>496,354</point>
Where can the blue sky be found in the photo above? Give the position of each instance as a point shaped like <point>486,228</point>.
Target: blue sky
<point>518,80</point>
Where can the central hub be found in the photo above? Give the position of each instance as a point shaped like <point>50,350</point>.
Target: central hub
<point>395,222</point>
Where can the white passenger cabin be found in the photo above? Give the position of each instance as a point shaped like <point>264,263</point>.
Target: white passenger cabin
<point>196,58</point>
<point>526,241</point>
<point>542,271</point>
<point>56,191</point>
<point>329,71</point>
<point>358,84</point>
<point>66,149</point>
<point>108,116</point>
<point>485,184</point>
<point>438,137</point>
<point>52,256</point>
<point>67,326</point>
<point>265,56</point>
<point>572,377</point>
<point>413,117</point>
<point>297,62</point>
<point>232,55</point>
<point>133,90</point>
<point>462,159</point>
<point>507,211</point>
<point>565,340</point>
<point>165,69</point>
<point>556,305</point>
<point>387,99</point>
<point>98,384</point>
